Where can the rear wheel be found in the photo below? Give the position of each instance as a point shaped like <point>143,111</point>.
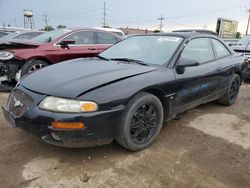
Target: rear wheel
<point>32,66</point>
<point>231,95</point>
<point>141,122</point>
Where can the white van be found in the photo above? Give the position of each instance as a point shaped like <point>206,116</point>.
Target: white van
<point>113,30</point>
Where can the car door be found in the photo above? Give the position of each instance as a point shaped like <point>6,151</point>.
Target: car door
<point>225,59</point>
<point>104,40</point>
<point>197,81</point>
<point>84,46</point>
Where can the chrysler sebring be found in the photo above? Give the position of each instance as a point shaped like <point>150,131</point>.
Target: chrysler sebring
<point>126,92</point>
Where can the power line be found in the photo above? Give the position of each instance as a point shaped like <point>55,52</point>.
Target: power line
<point>161,25</point>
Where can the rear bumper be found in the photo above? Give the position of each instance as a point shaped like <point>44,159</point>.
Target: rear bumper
<point>100,127</point>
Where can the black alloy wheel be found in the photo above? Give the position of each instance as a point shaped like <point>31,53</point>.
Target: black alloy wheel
<point>141,122</point>
<point>232,92</point>
<point>234,89</point>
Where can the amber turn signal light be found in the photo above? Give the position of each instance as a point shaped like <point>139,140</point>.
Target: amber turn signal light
<point>67,125</point>
<point>89,107</point>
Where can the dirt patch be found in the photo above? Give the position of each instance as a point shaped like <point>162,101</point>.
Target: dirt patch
<point>204,147</point>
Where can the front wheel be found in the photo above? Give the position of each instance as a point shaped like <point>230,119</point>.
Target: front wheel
<point>141,122</point>
<point>32,66</point>
<point>231,94</point>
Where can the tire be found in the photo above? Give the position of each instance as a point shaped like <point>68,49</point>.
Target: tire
<point>231,94</point>
<point>32,66</point>
<point>141,122</point>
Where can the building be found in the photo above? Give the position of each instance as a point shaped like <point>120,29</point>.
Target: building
<point>130,31</point>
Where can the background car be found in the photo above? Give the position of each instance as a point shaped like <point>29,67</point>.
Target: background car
<point>204,31</point>
<point>113,30</point>
<point>243,46</point>
<point>52,47</point>
<point>9,40</point>
<point>2,34</point>
<point>127,92</point>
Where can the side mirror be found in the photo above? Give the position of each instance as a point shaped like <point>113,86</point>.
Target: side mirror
<point>65,43</point>
<point>183,63</point>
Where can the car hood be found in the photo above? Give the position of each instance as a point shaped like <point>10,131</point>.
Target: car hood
<point>14,44</point>
<point>73,78</point>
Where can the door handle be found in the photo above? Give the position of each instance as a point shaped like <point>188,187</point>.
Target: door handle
<point>92,48</point>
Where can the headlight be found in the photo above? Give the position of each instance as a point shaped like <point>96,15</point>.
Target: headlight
<point>6,55</point>
<point>57,104</point>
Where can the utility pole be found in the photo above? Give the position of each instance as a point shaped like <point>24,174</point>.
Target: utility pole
<point>45,19</point>
<point>104,15</point>
<point>205,27</point>
<point>161,25</point>
<point>248,21</point>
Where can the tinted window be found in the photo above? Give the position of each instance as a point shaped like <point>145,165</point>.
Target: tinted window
<point>220,49</point>
<point>3,34</point>
<point>50,36</point>
<point>105,38</point>
<point>244,41</point>
<point>27,36</point>
<point>199,50</point>
<point>82,37</point>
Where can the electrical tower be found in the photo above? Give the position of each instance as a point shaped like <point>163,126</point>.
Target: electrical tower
<point>248,21</point>
<point>45,19</point>
<point>161,25</point>
<point>28,19</point>
<point>104,15</point>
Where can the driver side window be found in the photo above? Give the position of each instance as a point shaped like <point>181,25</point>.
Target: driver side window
<point>198,50</point>
<point>82,37</point>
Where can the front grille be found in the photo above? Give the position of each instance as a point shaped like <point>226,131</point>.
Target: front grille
<point>19,102</point>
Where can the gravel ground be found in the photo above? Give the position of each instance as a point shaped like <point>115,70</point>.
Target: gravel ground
<point>208,146</point>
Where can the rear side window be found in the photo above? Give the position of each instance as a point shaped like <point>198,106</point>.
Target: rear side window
<point>220,49</point>
<point>27,36</point>
<point>105,38</point>
<point>82,37</point>
<point>199,50</point>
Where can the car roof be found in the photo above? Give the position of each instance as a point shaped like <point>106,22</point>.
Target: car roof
<point>74,29</point>
<point>180,34</point>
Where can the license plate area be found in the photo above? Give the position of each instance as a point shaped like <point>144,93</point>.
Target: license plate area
<point>9,117</point>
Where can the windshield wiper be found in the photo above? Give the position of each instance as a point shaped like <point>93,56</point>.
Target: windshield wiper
<point>104,58</point>
<point>129,60</point>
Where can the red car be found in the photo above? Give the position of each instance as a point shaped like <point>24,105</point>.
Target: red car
<point>52,47</point>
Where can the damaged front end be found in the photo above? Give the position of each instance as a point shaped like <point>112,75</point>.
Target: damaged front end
<point>9,69</point>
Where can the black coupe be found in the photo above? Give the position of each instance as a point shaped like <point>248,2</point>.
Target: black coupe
<point>127,91</point>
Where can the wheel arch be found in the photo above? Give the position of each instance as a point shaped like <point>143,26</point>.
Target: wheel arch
<point>237,71</point>
<point>159,94</point>
<point>39,58</point>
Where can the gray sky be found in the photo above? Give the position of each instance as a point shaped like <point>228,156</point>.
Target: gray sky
<point>141,13</point>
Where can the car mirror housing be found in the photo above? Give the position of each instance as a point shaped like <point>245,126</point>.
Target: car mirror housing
<point>187,63</point>
<point>180,68</point>
<point>65,43</point>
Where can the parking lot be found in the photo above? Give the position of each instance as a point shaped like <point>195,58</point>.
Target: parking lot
<point>208,146</point>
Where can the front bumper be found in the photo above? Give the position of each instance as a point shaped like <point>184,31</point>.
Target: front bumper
<point>100,127</point>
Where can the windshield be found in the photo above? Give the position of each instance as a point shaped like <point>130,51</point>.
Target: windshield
<point>49,36</point>
<point>148,49</point>
<point>244,41</point>
<point>10,36</point>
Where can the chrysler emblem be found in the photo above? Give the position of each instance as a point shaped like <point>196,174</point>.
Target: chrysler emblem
<point>17,103</point>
